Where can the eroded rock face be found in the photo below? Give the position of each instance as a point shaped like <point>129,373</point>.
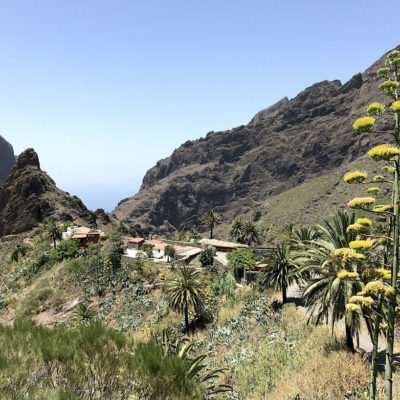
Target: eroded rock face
<point>282,146</point>
<point>29,197</point>
<point>7,159</point>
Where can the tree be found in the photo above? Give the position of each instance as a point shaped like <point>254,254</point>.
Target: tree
<point>53,232</point>
<point>330,260</point>
<point>122,229</point>
<point>181,236</point>
<point>169,251</point>
<point>251,234</point>
<point>184,291</point>
<point>211,218</point>
<point>148,249</point>
<point>390,153</point>
<point>237,229</point>
<point>193,234</point>
<point>206,257</point>
<point>281,270</point>
<point>241,260</point>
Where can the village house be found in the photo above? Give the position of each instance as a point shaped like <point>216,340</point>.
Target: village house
<point>135,243</point>
<point>220,245</point>
<point>84,235</point>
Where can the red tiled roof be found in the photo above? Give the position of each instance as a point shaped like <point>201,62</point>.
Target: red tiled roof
<point>160,246</point>
<point>153,242</point>
<point>136,240</point>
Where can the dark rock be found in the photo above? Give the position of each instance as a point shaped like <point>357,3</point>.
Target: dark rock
<point>7,159</point>
<point>236,170</point>
<point>30,197</point>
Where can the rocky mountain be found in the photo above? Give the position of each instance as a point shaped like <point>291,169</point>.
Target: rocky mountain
<point>29,197</point>
<point>236,171</point>
<point>7,159</point>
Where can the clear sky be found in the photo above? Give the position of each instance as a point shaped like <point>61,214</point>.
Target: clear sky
<point>103,89</point>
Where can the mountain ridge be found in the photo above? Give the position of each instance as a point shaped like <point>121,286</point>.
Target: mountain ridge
<point>282,146</point>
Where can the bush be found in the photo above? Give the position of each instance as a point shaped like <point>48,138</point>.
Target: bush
<point>18,253</point>
<point>240,260</point>
<point>148,249</point>
<point>223,284</point>
<point>206,257</point>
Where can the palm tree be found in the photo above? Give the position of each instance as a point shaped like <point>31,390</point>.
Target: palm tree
<point>237,229</point>
<point>211,218</point>
<point>251,234</point>
<point>281,270</point>
<point>327,294</point>
<point>53,232</point>
<point>184,291</point>
<point>169,251</point>
<point>193,234</point>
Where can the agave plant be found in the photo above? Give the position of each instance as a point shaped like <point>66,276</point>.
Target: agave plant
<point>83,314</point>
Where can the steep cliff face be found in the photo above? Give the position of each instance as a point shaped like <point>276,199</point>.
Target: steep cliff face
<point>234,171</point>
<point>29,197</point>
<point>7,159</point>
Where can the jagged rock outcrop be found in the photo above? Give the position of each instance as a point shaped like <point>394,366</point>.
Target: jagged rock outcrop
<point>7,159</point>
<point>30,197</point>
<point>234,171</point>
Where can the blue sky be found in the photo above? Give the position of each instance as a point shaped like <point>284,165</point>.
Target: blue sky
<point>104,89</point>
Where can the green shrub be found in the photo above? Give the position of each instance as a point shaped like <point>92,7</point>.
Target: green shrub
<point>18,253</point>
<point>223,284</point>
<point>206,257</point>
<point>148,249</point>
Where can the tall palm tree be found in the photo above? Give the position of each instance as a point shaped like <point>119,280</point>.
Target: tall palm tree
<point>184,291</point>
<point>211,218</point>
<point>193,234</point>
<point>53,232</point>
<point>281,270</point>
<point>237,229</point>
<point>326,294</point>
<point>251,233</point>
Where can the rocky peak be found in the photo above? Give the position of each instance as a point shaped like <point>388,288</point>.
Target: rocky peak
<point>28,158</point>
<point>30,197</point>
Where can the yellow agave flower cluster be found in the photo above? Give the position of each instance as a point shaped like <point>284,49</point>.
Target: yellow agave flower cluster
<point>360,244</point>
<point>364,301</point>
<point>364,124</point>
<point>361,202</point>
<point>358,228</point>
<point>389,88</point>
<point>355,177</point>
<point>345,252</point>
<point>376,109</point>
<point>348,253</point>
<point>379,178</point>
<point>364,221</point>
<point>374,287</point>
<point>384,273</point>
<point>343,274</point>
<point>353,307</point>
<point>373,190</point>
<point>383,208</point>
<point>396,106</point>
<point>383,152</point>
<point>388,169</point>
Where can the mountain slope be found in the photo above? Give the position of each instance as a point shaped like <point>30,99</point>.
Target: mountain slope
<point>29,197</point>
<point>236,171</point>
<point>7,159</point>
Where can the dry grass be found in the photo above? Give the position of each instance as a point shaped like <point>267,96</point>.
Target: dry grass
<point>324,377</point>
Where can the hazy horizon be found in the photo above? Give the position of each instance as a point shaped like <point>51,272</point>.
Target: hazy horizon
<point>103,90</point>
